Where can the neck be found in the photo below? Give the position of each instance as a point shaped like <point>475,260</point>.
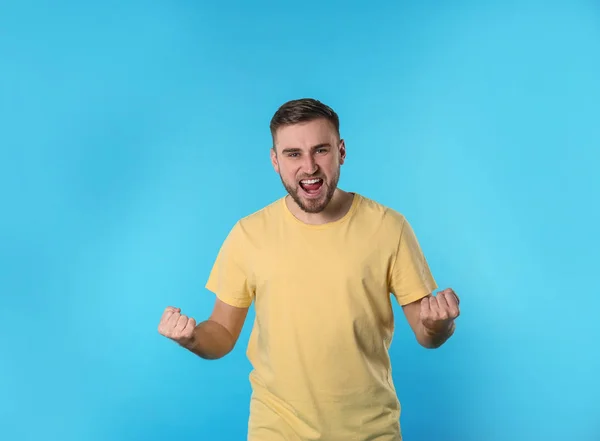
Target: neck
<point>336,209</point>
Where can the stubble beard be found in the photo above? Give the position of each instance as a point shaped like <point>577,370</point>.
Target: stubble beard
<point>312,205</point>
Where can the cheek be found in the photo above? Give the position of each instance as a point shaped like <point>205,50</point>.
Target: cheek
<point>288,175</point>
<point>328,165</point>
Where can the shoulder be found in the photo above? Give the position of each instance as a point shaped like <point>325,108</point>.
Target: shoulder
<point>382,214</point>
<point>260,221</point>
<point>251,231</point>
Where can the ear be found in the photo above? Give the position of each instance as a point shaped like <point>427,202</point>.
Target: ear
<point>274,160</point>
<point>342,150</point>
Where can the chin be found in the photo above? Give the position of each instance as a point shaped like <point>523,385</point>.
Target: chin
<point>313,208</point>
<point>311,204</point>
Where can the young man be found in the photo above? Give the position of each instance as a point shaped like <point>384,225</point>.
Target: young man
<point>319,265</point>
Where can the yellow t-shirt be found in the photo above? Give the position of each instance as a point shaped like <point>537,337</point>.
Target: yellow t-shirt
<point>323,318</point>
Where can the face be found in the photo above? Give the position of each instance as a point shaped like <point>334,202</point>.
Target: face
<point>308,157</point>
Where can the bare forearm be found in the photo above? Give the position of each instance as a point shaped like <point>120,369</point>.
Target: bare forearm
<point>211,340</point>
<point>434,339</point>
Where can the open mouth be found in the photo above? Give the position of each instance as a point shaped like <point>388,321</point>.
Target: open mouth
<point>311,186</point>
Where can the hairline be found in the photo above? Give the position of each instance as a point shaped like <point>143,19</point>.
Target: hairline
<point>306,121</point>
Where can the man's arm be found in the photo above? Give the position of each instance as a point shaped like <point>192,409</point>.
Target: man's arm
<point>432,318</point>
<point>211,339</point>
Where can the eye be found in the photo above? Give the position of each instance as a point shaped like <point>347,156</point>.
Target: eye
<point>323,150</point>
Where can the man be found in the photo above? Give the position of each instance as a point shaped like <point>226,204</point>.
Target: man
<point>319,265</point>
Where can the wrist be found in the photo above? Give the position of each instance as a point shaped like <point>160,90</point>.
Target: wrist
<point>188,343</point>
<point>439,331</point>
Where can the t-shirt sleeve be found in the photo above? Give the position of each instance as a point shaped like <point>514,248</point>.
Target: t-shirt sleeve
<point>410,276</point>
<point>229,278</point>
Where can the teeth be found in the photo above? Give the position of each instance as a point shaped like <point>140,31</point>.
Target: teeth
<point>310,181</point>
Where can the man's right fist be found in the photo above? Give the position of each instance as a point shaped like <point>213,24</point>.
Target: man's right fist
<point>177,326</point>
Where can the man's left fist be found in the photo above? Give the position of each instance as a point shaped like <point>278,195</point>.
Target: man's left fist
<point>438,312</point>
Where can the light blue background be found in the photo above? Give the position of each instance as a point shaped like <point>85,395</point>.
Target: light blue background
<point>134,134</point>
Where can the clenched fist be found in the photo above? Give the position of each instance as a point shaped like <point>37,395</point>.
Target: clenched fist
<point>438,312</point>
<point>177,326</point>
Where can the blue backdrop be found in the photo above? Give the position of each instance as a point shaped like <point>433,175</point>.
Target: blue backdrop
<point>134,134</point>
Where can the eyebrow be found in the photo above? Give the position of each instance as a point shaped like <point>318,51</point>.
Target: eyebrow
<point>296,149</point>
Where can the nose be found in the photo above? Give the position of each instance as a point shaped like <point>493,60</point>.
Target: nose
<point>310,165</point>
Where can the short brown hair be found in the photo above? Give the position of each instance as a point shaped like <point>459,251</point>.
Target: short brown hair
<point>303,110</point>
